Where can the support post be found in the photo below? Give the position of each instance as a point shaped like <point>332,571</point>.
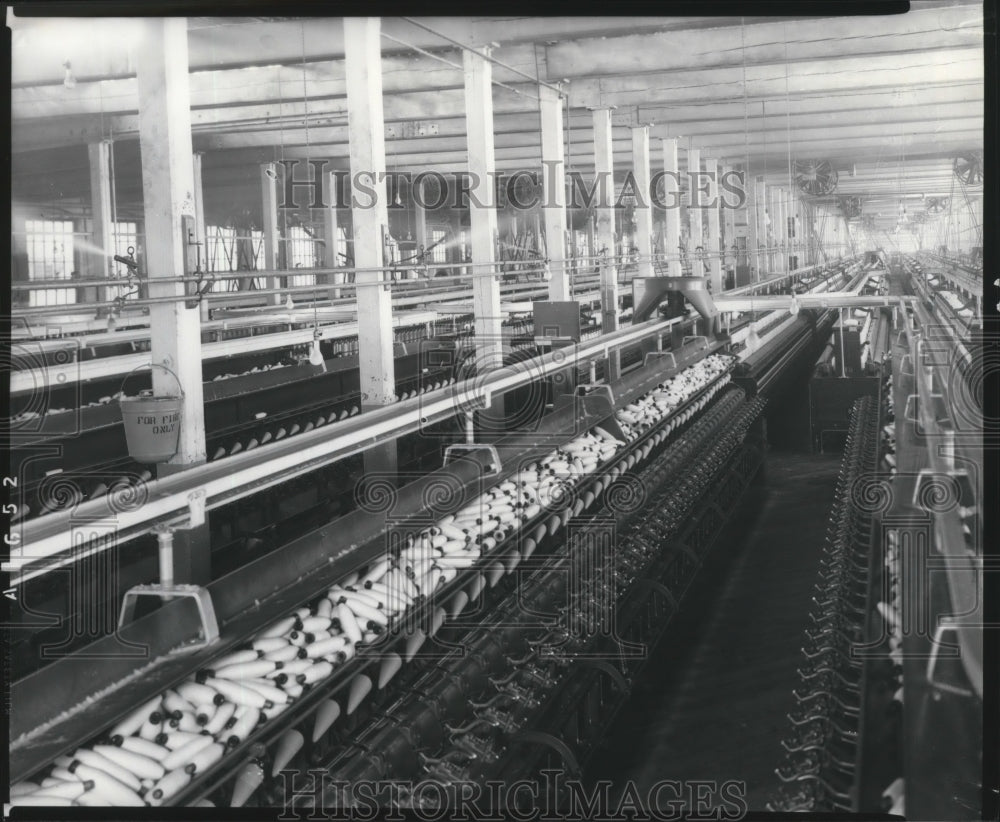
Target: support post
<point>269,210</point>
<point>696,239</point>
<point>728,225</point>
<point>554,191</point>
<point>643,206</point>
<point>331,230</point>
<point>482,214</point>
<point>758,222</point>
<point>712,210</point>
<point>102,233</point>
<point>200,231</point>
<point>672,199</point>
<point>604,178</point>
<point>370,224</point>
<point>420,217</point>
<point>169,202</point>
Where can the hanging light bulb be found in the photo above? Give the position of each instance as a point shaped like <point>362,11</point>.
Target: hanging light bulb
<point>793,309</point>
<point>289,304</point>
<point>753,340</point>
<point>546,272</point>
<point>112,323</point>
<point>69,80</point>
<point>315,355</point>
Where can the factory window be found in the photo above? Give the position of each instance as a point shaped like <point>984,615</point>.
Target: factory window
<point>791,228</point>
<point>50,257</point>
<point>439,254</point>
<point>220,248</point>
<point>300,251</point>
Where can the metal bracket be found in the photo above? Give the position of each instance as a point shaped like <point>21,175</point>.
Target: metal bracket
<point>654,356</point>
<point>932,661</point>
<point>203,601</point>
<point>453,452</point>
<point>695,338</point>
<point>592,389</point>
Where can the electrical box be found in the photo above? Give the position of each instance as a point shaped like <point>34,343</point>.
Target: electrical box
<point>557,320</point>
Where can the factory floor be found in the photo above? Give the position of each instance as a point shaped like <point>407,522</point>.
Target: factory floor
<point>712,703</point>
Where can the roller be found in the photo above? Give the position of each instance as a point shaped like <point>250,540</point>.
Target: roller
<point>142,767</point>
<point>235,692</point>
<point>279,628</point>
<point>243,726</point>
<point>348,623</point>
<point>198,694</point>
<point>64,790</point>
<point>131,723</point>
<point>84,756</point>
<point>107,790</point>
<point>326,647</point>
<point>145,748</point>
<point>316,623</point>
<point>181,756</point>
<point>246,670</point>
<point>178,739</point>
<point>376,572</point>
<point>271,693</point>
<point>167,787</point>
<point>221,717</point>
<point>205,758</point>
<point>364,611</point>
<point>326,715</point>
<point>285,654</point>
<point>289,744</point>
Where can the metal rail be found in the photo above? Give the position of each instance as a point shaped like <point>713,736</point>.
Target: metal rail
<point>171,498</point>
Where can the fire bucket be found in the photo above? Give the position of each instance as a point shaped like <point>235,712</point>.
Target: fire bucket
<point>152,424</point>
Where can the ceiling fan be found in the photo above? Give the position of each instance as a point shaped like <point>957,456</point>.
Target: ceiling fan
<point>815,177</point>
<point>969,168</point>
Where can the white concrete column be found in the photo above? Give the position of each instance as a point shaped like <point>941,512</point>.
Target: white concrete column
<point>370,220</point>
<point>695,211</point>
<point>759,223</point>
<point>102,236</point>
<point>169,203</point>
<point>331,230</point>
<point>643,206</point>
<point>728,222</point>
<point>712,211</point>
<point>200,234</point>
<point>272,239</point>
<point>483,220</point>
<point>420,217</point>
<point>782,233</point>
<point>554,191</point>
<point>672,200</point>
<point>604,177</point>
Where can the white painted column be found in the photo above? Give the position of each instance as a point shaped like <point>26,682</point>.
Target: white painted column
<point>712,211</point>
<point>643,206</point>
<point>554,191</point>
<point>200,232</point>
<point>370,220</point>
<point>331,231</point>
<point>420,217</point>
<point>102,236</point>
<point>695,220</point>
<point>604,168</point>
<point>672,199</point>
<point>168,200</point>
<point>782,233</point>
<point>759,222</point>
<point>726,202</point>
<point>269,211</point>
<point>483,221</point>
<point>604,179</point>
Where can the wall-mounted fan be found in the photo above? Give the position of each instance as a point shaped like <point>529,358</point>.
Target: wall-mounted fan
<point>850,207</point>
<point>937,205</point>
<point>969,168</point>
<point>815,177</point>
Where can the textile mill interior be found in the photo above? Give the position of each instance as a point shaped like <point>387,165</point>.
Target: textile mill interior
<point>566,415</point>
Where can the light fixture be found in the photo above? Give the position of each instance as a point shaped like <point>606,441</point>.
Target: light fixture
<point>753,339</point>
<point>112,323</point>
<point>69,80</point>
<point>793,308</point>
<point>315,355</point>
<point>289,304</point>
